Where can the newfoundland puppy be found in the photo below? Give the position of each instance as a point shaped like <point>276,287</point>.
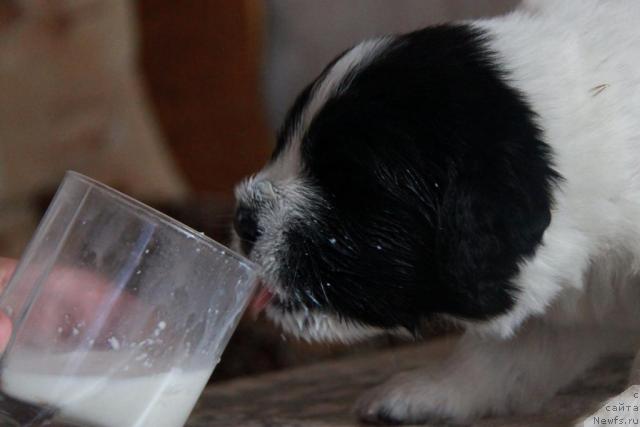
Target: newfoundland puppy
<point>484,172</point>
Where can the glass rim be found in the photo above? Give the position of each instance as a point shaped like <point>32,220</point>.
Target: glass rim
<point>161,217</point>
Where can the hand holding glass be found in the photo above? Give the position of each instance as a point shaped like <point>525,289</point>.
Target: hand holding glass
<point>119,313</point>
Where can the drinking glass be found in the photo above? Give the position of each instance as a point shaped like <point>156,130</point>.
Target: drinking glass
<point>119,314</point>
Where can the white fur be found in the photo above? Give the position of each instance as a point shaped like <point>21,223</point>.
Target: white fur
<point>578,64</point>
<point>314,327</point>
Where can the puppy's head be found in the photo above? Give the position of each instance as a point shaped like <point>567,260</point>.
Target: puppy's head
<point>409,180</point>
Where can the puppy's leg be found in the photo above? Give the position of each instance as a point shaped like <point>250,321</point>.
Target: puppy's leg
<point>487,376</point>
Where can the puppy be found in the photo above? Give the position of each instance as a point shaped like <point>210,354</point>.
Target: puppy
<point>485,172</point>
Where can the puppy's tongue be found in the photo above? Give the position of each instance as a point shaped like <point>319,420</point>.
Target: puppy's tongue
<point>260,300</point>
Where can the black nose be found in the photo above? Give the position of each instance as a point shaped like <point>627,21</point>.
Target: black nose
<point>246,225</point>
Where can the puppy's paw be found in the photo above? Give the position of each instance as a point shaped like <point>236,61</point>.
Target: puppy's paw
<point>416,397</point>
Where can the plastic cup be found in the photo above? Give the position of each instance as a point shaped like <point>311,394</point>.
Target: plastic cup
<point>119,313</point>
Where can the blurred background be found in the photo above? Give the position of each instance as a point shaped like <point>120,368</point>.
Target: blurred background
<point>173,103</point>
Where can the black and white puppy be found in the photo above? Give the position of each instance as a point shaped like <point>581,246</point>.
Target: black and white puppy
<point>486,172</point>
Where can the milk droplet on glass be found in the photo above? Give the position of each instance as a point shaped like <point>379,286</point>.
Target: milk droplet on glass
<point>114,343</point>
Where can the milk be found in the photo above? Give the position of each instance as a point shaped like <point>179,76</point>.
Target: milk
<point>154,400</point>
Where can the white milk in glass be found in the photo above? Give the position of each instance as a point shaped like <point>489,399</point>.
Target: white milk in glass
<point>153,400</point>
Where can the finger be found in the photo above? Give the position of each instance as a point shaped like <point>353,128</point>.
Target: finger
<point>5,331</point>
<point>7,266</point>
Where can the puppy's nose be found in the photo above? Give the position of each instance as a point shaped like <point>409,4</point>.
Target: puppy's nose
<point>246,225</point>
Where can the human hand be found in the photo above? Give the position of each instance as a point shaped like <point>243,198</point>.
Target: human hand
<point>74,304</point>
<point>6,270</point>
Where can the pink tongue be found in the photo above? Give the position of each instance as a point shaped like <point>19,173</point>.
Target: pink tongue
<point>260,301</point>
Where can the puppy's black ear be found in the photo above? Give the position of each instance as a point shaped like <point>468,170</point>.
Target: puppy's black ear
<point>491,219</point>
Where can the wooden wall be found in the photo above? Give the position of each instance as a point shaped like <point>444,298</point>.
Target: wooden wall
<point>201,62</point>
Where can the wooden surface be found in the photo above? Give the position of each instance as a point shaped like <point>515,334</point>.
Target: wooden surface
<point>323,394</point>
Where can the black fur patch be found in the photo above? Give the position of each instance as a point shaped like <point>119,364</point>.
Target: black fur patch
<point>435,183</point>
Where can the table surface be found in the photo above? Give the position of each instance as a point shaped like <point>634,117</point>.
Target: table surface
<point>323,394</point>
